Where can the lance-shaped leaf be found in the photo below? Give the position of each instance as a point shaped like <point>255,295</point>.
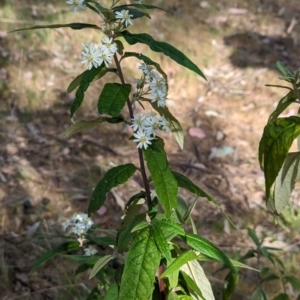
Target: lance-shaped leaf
<point>142,6</point>
<point>231,281</point>
<point>83,259</point>
<point>81,126</point>
<point>102,261</point>
<point>282,105</point>
<point>163,47</point>
<point>86,79</point>
<point>284,70</point>
<point>173,123</point>
<point>76,82</point>
<point>179,262</point>
<point>65,247</point>
<point>197,281</point>
<point>135,13</point>
<point>169,228</point>
<point>126,233</point>
<point>147,61</point>
<point>173,296</point>
<point>112,293</point>
<point>140,268</point>
<point>164,182</point>
<point>274,145</point>
<point>206,247</point>
<point>75,26</point>
<point>288,175</point>
<point>113,98</point>
<point>187,184</point>
<point>161,242</point>
<point>112,178</point>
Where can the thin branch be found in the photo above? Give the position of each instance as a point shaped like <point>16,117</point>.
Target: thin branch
<point>141,157</point>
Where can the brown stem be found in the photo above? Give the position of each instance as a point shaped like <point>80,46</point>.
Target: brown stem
<point>141,157</point>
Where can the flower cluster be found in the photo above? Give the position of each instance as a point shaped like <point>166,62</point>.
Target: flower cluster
<point>157,84</point>
<point>79,224</point>
<point>146,127</point>
<point>94,56</point>
<point>76,4</point>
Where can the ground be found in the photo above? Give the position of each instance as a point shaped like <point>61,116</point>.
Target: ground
<point>45,178</point>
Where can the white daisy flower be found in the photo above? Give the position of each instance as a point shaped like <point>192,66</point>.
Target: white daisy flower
<point>137,122</point>
<point>143,139</point>
<point>124,16</point>
<point>108,46</point>
<point>90,251</point>
<point>158,85</point>
<point>105,57</point>
<point>159,97</point>
<point>91,56</point>
<point>76,4</point>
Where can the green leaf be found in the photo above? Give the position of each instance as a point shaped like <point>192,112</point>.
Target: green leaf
<point>161,242</point>
<point>174,124</point>
<point>65,247</point>
<point>86,79</point>
<point>147,61</point>
<point>140,226</point>
<point>281,67</point>
<point>293,281</point>
<point>83,259</point>
<point>270,277</point>
<point>126,234</point>
<point>107,13</point>
<point>281,296</point>
<point>254,237</point>
<point>284,102</point>
<point>206,247</point>
<point>113,98</point>
<point>135,13</point>
<point>75,26</point>
<point>181,209</point>
<point>231,281</point>
<point>142,6</point>
<point>172,296</point>
<point>132,211</point>
<point>274,145</point>
<point>163,179</point>
<point>94,295</point>
<point>75,83</point>
<point>104,241</point>
<point>81,126</point>
<point>178,262</point>
<point>258,294</point>
<point>190,210</point>
<point>112,178</point>
<point>241,265</point>
<point>169,227</point>
<point>187,184</point>
<point>112,293</point>
<point>185,297</point>
<point>140,268</point>
<point>163,47</point>
<point>288,175</point>
<point>103,261</point>
<point>197,281</point>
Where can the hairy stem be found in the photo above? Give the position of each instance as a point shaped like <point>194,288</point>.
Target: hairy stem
<point>141,157</point>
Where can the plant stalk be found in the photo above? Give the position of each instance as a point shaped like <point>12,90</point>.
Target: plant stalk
<point>141,157</point>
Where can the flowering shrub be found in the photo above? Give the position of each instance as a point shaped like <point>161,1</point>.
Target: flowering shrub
<point>151,263</point>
